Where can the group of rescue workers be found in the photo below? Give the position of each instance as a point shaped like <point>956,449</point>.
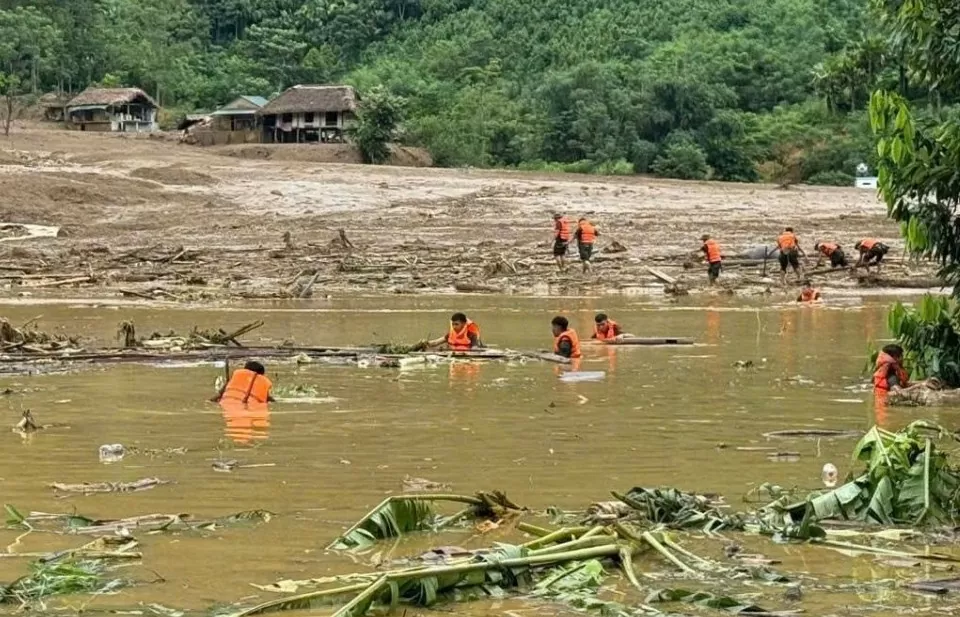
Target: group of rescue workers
<point>251,386</point>
<point>788,250</point>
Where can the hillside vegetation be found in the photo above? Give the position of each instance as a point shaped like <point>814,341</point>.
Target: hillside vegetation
<point>725,89</point>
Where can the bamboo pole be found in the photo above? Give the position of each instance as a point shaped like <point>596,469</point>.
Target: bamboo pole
<point>652,541</point>
<point>550,538</point>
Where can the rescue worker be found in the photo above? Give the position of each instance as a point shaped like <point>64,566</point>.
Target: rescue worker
<point>464,335</point>
<point>561,238</point>
<point>586,235</point>
<point>566,343</point>
<point>809,293</point>
<point>871,253</point>
<point>889,373</point>
<point>790,253</point>
<point>248,385</point>
<point>711,251</point>
<point>833,252</point>
<point>606,329</point>
<point>244,400</point>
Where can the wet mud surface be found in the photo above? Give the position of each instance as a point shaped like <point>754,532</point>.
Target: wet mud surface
<point>181,223</point>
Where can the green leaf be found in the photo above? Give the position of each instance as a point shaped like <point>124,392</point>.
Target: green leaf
<point>14,517</point>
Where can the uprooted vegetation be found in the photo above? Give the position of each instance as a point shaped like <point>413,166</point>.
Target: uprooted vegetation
<point>643,542</point>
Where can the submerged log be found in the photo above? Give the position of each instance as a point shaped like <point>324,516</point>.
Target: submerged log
<point>638,340</point>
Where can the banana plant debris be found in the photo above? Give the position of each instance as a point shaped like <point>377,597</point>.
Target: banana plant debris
<point>892,507</point>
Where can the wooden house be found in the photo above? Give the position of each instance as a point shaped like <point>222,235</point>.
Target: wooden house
<point>128,110</point>
<point>53,104</point>
<point>309,114</point>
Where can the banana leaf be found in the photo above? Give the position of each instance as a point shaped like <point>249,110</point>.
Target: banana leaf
<point>391,519</point>
<point>59,578</point>
<point>678,509</point>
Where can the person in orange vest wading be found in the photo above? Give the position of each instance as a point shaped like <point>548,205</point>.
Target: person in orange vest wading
<point>249,384</point>
<point>566,343</point>
<point>871,253</point>
<point>833,252</point>
<point>561,238</point>
<point>711,251</point>
<point>809,293</point>
<point>586,235</point>
<point>889,373</point>
<point>244,400</point>
<point>790,253</point>
<point>464,335</point>
<point>607,330</point>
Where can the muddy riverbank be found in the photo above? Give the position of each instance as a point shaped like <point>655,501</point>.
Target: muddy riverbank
<point>146,218</point>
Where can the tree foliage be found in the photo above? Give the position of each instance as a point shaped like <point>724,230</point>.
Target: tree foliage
<point>501,82</point>
<point>918,151</point>
<point>377,120</point>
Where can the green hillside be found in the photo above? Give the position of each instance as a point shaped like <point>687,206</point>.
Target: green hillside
<point>727,89</point>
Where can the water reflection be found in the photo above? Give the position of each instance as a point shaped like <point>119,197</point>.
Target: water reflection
<point>245,423</point>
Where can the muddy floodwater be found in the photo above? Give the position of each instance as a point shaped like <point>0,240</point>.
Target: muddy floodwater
<point>661,416</point>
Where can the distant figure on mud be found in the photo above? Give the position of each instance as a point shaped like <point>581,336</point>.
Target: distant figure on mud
<point>464,335</point>
<point>790,253</point>
<point>833,252</point>
<point>561,238</point>
<point>606,329</point>
<point>889,373</point>
<point>809,293</point>
<point>249,384</point>
<point>872,253</point>
<point>566,343</point>
<point>586,235</point>
<point>711,252</point>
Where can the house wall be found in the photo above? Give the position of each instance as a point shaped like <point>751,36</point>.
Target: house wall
<point>132,119</point>
<point>290,127</point>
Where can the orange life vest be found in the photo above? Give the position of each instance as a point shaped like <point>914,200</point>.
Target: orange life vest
<point>563,229</point>
<point>787,242</point>
<point>588,233</point>
<point>713,251</point>
<point>460,341</point>
<point>885,364</point>
<point>571,335</point>
<point>245,422</point>
<point>606,335</point>
<point>867,243</point>
<point>828,248</point>
<point>247,387</point>
<point>809,295</point>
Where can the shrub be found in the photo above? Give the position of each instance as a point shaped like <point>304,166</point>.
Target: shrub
<point>831,178</point>
<point>683,160</point>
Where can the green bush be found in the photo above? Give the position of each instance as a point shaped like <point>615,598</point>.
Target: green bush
<point>683,160</point>
<point>831,178</point>
<point>644,154</point>
<point>620,167</point>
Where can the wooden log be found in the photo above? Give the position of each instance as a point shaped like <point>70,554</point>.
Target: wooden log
<point>70,281</point>
<point>640,340</point>
<point>669,280</point>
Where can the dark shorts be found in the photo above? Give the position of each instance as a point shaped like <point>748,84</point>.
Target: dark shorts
<point>875,255</point>
<point>586,251</point>
<point>559,247</point>
<point>791,259</point>
<point>713,270</point>
<point>838,259</point>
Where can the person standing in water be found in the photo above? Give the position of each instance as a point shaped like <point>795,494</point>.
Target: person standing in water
<point>566,343</point>
<point>464,335</point>
<point>249,384</point>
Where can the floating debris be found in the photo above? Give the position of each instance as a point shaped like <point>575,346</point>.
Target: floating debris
<point>111,453</point>
<point>88,488</point>
<point>422,485</point>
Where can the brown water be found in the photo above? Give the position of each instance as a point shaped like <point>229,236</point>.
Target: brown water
<point>658,418</point>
